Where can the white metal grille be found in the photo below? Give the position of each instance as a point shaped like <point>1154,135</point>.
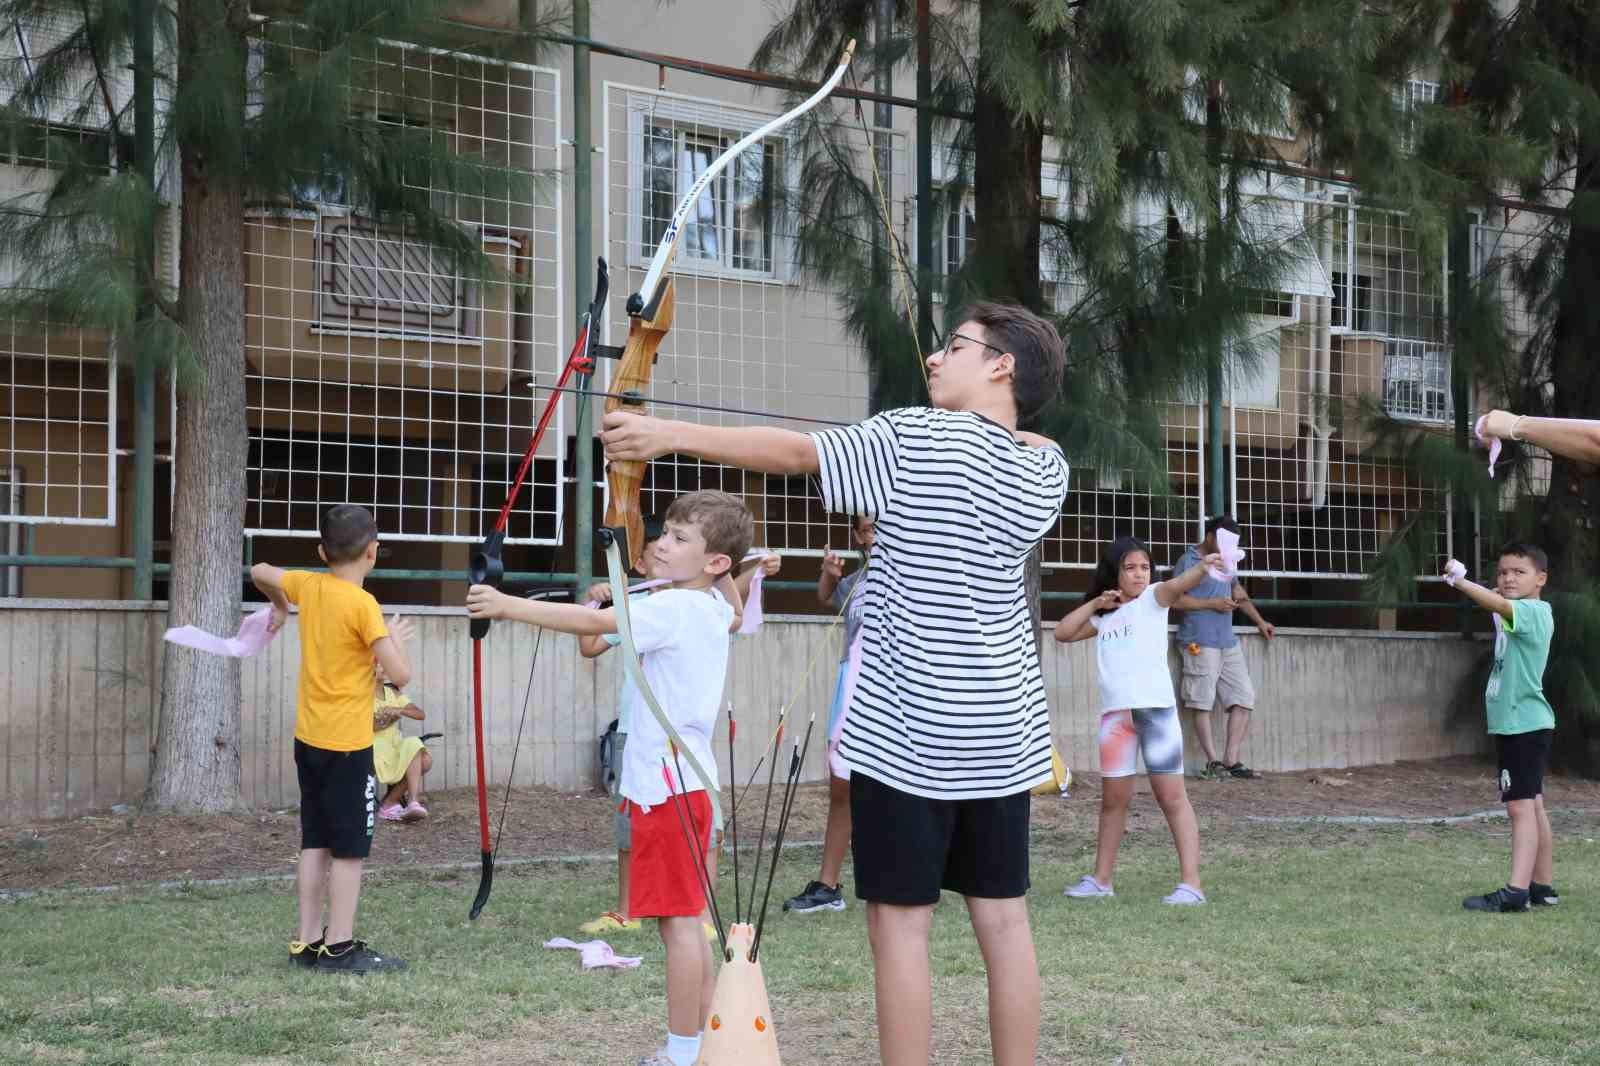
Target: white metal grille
<point>377,375</point>
<point>746,336</point>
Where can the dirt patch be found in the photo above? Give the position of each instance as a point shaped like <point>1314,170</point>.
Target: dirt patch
<point>144,848</point>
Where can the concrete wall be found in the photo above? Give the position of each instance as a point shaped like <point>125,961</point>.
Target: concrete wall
<point>80,702</point>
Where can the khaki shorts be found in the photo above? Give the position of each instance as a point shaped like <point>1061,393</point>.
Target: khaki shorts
<point>1213,675</point>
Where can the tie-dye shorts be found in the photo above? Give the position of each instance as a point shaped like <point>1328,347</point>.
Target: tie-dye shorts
<point>1152,732</point>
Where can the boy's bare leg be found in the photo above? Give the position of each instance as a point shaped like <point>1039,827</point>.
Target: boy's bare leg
<point>1524,841</point>
<point>836,838</point>
<point>624,868</point>
<point>1115,795</point>
<point>688,973</point>
<point>1007,945</point>
<point>899,938</point>
<point>310,883</point>
<point>344,891</point>
<point>1202,733</point>
<point>1174,801</point>
<point>1544,866</point>
<point>1238,726</point>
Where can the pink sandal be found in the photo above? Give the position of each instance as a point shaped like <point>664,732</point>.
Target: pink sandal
<point>392,813</point>
<point>414,812</point>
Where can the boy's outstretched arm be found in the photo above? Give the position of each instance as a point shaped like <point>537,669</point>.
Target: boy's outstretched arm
<point>1169,591</point>
<point>1488,599</point>
<point>759,448</point>
<point>485,601</point>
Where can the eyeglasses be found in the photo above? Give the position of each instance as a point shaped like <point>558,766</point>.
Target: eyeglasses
<point>943,344</point>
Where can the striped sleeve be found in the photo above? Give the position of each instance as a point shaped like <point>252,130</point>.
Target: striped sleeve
<point>858,465</point>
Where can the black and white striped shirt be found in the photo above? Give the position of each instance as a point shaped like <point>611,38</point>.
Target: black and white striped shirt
<point>949,703</point>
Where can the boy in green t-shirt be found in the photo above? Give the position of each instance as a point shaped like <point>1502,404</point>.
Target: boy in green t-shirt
<point>1520,718</point>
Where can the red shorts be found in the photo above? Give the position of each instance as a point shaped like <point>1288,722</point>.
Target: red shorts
<point>664,879</point>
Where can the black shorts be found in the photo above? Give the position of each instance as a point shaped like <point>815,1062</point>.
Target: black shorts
<point>1523,759</point>
<point>338,800</point>
<point>908,848</point>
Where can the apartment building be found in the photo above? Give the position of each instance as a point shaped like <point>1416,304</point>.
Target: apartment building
<point>376,376</point>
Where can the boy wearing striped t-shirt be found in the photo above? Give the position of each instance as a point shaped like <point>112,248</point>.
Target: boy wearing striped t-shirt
<point>948,728</point>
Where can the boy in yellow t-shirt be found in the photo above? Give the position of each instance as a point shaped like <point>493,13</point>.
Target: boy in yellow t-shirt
<point>341,632</point>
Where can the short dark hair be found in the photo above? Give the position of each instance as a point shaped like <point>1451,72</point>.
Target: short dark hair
<point>347,529</point>
<point>654,526</point>
<point>1035,345</point>
<point>1531,552</point>
<point>1221,521</point>
<point>723,518</point>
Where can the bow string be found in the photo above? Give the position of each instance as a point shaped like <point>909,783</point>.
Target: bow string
<point>650,313</point>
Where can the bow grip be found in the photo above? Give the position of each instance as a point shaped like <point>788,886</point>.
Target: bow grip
<point>487,568</point>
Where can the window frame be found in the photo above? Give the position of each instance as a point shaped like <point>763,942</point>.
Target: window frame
<point>689,116</point>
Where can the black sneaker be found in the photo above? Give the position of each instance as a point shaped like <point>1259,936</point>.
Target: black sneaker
<point>1240,770</point>
<point>304,955</point>
<point>816,897</point>
<point>1501,901</point>
<point>1215,771</point>
<point>1542,895</point>
<point>357,958</point>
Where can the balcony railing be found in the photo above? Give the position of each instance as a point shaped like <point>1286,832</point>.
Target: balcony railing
<point>1416,380</point>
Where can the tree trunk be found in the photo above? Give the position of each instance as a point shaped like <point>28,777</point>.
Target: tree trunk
<point>1009,155</point>
<point>197,755</point>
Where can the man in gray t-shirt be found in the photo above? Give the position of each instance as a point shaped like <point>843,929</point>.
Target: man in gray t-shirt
<point>1214,669</point>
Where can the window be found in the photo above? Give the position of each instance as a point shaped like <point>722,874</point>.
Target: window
<point>1352,310</point>
<point>1411,98</point>
<point>960,234</point>
<point>47,144</point>
<point>1416,381</point>
<point>377,278</point>
<point>732,226</point>
<point>1271,303</point>
<point>330,184</point>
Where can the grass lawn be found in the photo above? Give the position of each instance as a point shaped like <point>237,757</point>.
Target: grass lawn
<point>1322,945</point>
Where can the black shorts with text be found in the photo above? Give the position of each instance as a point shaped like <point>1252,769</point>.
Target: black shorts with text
<point>338,800</point>
<point>908,848</point>
<point>1523,759</point>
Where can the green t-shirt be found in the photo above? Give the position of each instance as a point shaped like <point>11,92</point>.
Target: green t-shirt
<point>1515,694</point>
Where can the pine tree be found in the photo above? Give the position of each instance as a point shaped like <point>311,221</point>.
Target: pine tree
<point>1163,109</point>
<point>253,108</point>
<point>1523,122</point>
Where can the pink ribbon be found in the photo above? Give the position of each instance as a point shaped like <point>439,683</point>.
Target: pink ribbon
<point>1228,548</point>
<point>1492,442</point>
<point>596,954</point>
<point>253,635</point>
<point>752,604</point>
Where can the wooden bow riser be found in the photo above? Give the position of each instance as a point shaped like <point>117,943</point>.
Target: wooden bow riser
<point>628,389</point>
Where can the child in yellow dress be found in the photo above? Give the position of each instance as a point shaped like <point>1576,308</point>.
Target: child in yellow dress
<point>398,761</point>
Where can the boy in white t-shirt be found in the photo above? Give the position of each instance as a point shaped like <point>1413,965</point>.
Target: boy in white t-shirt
<point>1138,711</point>
<point>682,634</point>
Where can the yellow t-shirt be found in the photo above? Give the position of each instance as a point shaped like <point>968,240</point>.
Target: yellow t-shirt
<point>339,623</point>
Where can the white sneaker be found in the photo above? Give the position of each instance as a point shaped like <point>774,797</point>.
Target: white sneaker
<point>1089,888</point>
<point>1185,896</point>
